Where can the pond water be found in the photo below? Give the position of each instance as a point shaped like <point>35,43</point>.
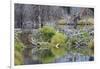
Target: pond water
<point>70,31</point>
<point>65,20</point>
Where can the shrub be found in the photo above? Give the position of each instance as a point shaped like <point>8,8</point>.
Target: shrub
<point>82,44</point>
<point>58,38</point>
<point>47,32</point>
<point>58,42</point>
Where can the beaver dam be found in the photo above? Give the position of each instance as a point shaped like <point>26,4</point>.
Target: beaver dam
<point>53,34</point>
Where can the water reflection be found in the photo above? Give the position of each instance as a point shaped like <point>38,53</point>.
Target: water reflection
<point>70,31</point>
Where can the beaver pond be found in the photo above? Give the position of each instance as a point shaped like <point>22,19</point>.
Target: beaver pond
<point>53,34</point>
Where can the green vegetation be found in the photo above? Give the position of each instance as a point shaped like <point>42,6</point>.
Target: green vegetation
<point>46,56</point>
<point>59,44</point>
<point>58,38</point>
<point>89,21</point>
<point>52,44</point>
<point>18,51</point>
<point>47,32</point>
<point>82,44</point>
